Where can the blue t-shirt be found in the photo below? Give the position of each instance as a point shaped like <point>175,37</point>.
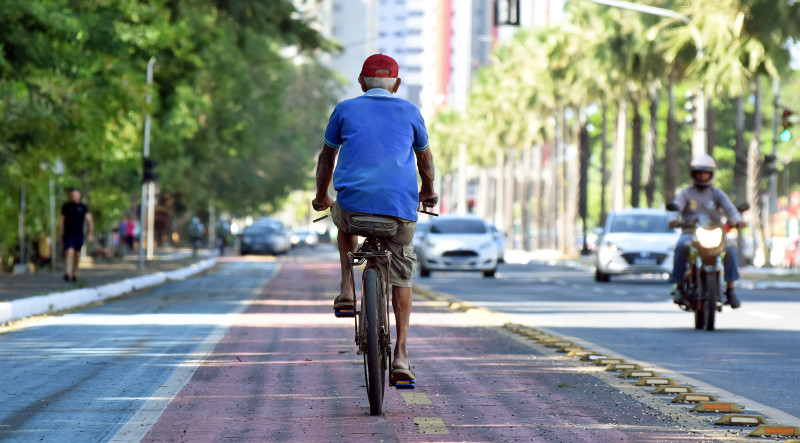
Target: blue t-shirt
<point>376,172</point>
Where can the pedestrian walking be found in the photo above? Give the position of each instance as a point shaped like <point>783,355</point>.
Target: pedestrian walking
<point>223,229</point>
<point>196,231</point>
<point>74,214</point>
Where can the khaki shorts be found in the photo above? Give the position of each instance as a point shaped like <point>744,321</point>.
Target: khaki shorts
<point>401,245</point>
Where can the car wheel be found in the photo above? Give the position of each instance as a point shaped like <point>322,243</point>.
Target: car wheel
<point>601,277</point>
<point>424,272</point>
<point>489,273</point>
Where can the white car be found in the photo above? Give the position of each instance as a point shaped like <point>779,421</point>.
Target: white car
<point>458,243</point>
<point>635,241</point>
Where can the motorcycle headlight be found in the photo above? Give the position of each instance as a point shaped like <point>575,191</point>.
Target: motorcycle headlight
<point>709,238</point>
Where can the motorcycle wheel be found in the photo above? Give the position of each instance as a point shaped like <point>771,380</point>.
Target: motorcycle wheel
<point>710,300</point>
<point>699,315</point>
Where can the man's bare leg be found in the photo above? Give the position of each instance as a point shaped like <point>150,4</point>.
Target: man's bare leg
<point>69,259</point>
<point>76,260</point>
<point>347,243</point>
<point>401,303</point>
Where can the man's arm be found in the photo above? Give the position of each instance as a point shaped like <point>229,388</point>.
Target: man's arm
<point>425,168</point>
<point>325,165</point>
<point>90,225</point>
<point>728,206</point>
<point>61,226</point>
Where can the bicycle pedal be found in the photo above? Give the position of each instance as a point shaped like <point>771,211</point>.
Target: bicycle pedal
<point>345,313</point>
<point>405,384</point>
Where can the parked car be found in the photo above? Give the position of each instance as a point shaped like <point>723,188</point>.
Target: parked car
<point>635,241</point>
<point>305,238</point>
<point>265,238</point>
<point>500,239</point>
<point>419,234</point>
<point>458,243</point>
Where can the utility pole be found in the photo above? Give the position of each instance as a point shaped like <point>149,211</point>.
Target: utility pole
<point>146,184</point>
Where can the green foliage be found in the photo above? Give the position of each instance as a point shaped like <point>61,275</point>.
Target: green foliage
<point>233,120</point>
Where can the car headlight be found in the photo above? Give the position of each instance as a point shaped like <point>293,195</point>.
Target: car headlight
<point>487,245</point>
<point>709,238</point>
<point>611,247</point>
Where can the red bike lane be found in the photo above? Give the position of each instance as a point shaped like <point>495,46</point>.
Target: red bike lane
<point>287,370</point>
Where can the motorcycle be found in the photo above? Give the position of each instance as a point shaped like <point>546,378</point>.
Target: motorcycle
<point>702,284</point>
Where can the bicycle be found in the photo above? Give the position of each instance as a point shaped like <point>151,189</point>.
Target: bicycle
<point>372,332</point>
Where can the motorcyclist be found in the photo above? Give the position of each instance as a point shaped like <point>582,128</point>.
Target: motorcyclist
<point>697,201</point>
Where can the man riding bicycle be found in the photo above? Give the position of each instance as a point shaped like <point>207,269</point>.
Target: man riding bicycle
<point>378,139</point>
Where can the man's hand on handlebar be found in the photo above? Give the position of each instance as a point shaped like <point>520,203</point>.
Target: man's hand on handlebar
<point>428,199</point>
<point>321,204</point>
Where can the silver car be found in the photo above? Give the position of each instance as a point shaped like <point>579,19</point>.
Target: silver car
<point>458,243</point>
<point>635,241</point>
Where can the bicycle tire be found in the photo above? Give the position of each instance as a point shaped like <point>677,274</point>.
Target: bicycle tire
<point>373,364</point>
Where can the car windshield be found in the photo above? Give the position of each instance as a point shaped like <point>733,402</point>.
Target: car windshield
<point>458,226</point>
<point>258,229</point>
<point>640,223</point>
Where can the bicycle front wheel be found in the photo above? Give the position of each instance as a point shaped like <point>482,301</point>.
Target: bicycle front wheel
<point>373,367</point>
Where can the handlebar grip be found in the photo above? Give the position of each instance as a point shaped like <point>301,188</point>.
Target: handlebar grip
<point>317,207</point>
<point>434,200</point>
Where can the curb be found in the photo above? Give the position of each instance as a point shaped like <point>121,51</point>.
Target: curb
<point>744,284</point>
<point>59,301</point>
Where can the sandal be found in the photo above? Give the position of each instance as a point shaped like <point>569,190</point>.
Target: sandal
<point>344,308</point>
<point>403,378</point>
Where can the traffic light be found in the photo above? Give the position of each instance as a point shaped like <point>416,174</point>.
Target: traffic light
<point>786,122</point>
<point>691,107</point>
<point>770,166</point>
<point>149,174</point>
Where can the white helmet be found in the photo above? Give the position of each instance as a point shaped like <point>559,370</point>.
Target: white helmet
<point>703,163</point>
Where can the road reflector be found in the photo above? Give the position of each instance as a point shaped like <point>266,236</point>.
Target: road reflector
<point>571,348</point>
<point>549,338</point>
<point>638,374</point>
<point>580,353</point>
<point>535,335</point>
<point>694,398</point>
<point>715,406</point>
<point>776,431</point>
<point>515,327</point>
<point>741,420</point>
<point>623,367</point>
<point>558,344</point>
<point>656,381</point>
<point>608,361</point>
<point>673,390</point>
<point>430,425</point>
<point>593,357</point>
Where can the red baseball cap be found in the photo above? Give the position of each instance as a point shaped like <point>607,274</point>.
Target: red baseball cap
<point>379,65</point>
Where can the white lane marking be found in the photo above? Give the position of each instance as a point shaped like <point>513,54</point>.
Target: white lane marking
<point>620,292</point>
<point>765,315</point>
<point>139,425</point>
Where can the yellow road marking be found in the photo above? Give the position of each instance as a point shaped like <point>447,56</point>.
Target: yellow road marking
<point>415,398</point>
<point>430,425</point>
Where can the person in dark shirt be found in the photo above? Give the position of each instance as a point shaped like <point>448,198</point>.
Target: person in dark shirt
<point>73,215</point>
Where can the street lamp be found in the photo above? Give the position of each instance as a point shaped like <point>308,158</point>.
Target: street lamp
<point>58,169</point>
<point>699,134</point>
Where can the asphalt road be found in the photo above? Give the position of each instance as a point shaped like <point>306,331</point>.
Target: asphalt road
<point>751,354</point>
<point>251,351</point>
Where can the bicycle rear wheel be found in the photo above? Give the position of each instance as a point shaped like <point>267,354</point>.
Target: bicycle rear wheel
<point>374,366</point>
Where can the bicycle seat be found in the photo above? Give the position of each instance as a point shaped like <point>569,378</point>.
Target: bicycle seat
<point>370,225</point>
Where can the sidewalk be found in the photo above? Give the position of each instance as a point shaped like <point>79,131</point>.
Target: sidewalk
<point>24,295</point>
